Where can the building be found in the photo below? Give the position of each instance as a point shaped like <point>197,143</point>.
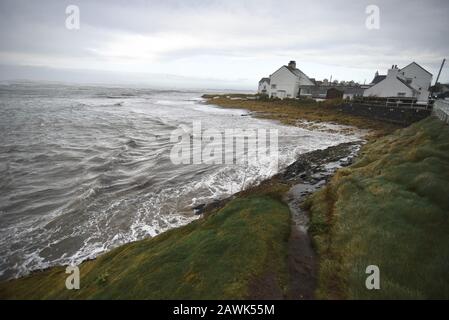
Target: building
<point>377,78</point>
<point>264,86</point>
<point>334,93</point>
<point>412,81</point>
<point>351,92</point>
<point>440,90</point>
<point>289,82</point>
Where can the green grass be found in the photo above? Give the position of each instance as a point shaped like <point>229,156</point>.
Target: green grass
<point>390,209</point>
<point>217,257</point>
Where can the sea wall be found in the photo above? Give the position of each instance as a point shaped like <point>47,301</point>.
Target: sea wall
<point>441,110</point>
<point>403,116</point>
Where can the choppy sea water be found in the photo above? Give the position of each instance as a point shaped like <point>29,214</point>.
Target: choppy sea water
<point>85,169</point>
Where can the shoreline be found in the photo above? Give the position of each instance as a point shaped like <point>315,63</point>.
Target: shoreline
<point>392,194</point>
<point>302,113</point>
<point>280,184</point>
<point>249,247</point>
<point>309,172</point>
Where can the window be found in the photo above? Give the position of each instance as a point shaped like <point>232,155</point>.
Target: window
<point>273,86</point>
<point>408,80</point>
<point>401,94</point>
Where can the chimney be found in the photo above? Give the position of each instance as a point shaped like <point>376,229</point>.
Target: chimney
<point>292,64</point>
<point>393,72</point>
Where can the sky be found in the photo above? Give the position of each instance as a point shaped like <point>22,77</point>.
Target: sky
<point>217,44</point>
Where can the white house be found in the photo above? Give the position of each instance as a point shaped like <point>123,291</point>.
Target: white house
<point>264,86</point>
<point>412,81</point>
<point>289,82</point>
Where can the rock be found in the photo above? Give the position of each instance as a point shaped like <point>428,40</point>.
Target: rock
<point>199,209</point>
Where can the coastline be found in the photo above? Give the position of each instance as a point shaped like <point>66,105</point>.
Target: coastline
<point>302,113</point>
<point>276,188</point>
<point>309,172</point>
<point>391,195</point>
<point>261,237</point>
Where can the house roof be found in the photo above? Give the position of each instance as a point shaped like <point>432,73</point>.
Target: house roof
<point>298,73</point>
<point>410,87</point>
<point>418,66</point>
<point>335,89</point>
<point>402,81</point>
<point>378,79</point>
<point>295,71</point>
<point>265,79</point>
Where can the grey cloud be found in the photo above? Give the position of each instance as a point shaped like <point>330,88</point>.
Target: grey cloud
<point>325,32</point>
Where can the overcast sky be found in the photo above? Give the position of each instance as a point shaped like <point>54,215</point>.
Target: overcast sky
<point>217,44</point>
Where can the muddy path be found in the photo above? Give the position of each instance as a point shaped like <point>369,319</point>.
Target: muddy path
<point>306,175</point>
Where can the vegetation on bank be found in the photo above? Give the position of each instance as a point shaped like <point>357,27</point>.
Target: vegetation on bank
<point>390,209</point>
<point>230,254</point>
<point>291,111</point>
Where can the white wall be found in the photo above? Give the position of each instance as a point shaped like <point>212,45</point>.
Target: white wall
<point>421,79</point>
<point>284,80</point>
<point>389,87</point>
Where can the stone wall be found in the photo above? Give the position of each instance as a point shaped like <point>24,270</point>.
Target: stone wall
<point>404,116</point>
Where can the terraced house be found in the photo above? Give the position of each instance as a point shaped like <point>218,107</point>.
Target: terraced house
<point>412,81</point>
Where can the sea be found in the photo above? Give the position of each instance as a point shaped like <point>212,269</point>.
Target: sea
<point>84,168</point>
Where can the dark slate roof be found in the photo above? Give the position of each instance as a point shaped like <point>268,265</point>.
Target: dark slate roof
<point>378,79</point>
<point>265,79</point>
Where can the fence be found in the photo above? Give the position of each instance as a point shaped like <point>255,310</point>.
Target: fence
<point>441,110</point>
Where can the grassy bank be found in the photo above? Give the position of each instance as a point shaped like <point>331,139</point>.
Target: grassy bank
<point>234,253</point>
<point>390,209</point>
<point>290,111</point>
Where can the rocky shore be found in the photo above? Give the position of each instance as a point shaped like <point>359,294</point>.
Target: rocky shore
<point>306,175</point>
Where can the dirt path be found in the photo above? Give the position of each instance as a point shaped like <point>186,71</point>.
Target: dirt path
<point>310,172</point>
<point>307,174</point>
<point>302,260</point>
